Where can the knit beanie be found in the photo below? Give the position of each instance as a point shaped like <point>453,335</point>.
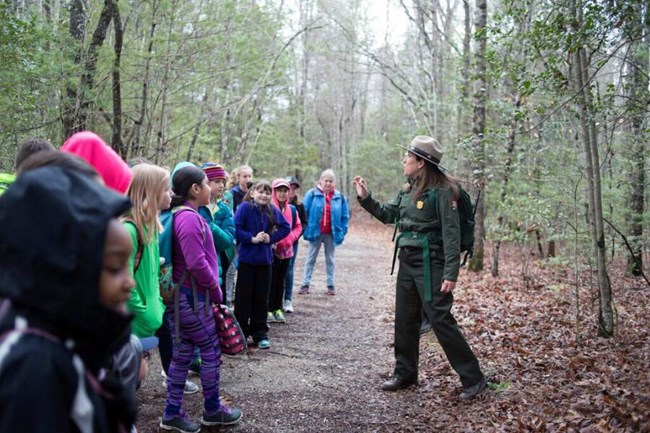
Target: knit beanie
<point>214,171</point>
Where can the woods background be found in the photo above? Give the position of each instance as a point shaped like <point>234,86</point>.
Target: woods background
<point>543,105</point>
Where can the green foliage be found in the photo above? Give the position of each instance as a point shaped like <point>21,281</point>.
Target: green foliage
<point>26,77</point>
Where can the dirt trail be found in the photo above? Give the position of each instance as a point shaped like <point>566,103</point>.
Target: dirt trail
<point>325,365</point>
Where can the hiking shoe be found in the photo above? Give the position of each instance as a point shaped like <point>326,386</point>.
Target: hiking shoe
<point>331,290</point>
<point>195,370</point>
<point>264,344</point>
<point>190,387</point>
<point>180,424</point>
<point>472,391</point>
<point>223,416</point>
<point>304,290</point>
<point>287,306</point>
<point>270,317</point>
<point>279,316</point>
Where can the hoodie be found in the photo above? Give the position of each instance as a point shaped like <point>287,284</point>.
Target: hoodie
<point>113,170</point>
<point>49,276</point>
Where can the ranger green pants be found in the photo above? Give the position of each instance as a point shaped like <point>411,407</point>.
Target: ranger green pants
<point>408,314</point>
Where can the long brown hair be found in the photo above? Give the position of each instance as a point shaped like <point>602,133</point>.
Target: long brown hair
<point>432,177</point>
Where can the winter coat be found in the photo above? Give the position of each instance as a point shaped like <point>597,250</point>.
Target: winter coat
<point>249,221</point>
<point>193,251</point>
<point>59,333</point>
<point>145,302</point>
<point>284,248</point>
<point>314,202</point>
<point>222,226</point>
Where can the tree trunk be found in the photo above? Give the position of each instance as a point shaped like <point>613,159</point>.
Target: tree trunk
<point>70,103</point>
<point>590,144</point>
<point>116,140</point>
<point>638,97</point>
<point>478,128</point>
<point>514,124</point>
<point>138,146</point>
<point>465,71</point>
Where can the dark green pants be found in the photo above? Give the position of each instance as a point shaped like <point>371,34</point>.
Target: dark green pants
<point>409,301</point>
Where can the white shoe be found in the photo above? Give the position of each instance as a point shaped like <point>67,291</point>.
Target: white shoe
<point>287,306</point>
<point>190,387</point>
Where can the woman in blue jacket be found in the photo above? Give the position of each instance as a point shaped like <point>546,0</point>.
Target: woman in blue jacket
<point>327,223</point>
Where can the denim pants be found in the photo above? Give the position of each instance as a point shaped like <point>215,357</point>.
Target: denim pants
<point>312,254</point>
<point>288,279</point>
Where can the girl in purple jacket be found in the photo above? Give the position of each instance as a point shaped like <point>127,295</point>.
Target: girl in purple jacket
<point>193,253</point>
<point>259,225</point>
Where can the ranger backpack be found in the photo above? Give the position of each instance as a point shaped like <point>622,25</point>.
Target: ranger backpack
<point>466,213</point>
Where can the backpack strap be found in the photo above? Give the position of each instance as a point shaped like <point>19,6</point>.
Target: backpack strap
<point>140,248</point>
<point>293,215</point>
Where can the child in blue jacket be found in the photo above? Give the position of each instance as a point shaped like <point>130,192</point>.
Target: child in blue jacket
<point>258,225</point>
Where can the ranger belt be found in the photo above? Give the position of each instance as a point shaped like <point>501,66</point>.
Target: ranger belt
<point>426,257</point>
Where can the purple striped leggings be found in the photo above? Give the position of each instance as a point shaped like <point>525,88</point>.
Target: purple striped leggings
<point>196,329</point>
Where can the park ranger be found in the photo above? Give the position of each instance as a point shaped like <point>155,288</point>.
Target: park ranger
<point>425,212</point>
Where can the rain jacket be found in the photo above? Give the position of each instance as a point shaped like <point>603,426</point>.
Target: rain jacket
<point>314,202</point>
<point>55,335</point>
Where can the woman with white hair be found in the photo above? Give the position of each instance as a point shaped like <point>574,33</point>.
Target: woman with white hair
<point>327,224</point>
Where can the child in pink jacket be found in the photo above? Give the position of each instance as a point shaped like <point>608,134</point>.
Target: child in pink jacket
<point>283,250</point>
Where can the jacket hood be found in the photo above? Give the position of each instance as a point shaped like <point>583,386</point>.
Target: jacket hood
<point>113,170</point>
<point>178,166</point>
<point>53,224</point>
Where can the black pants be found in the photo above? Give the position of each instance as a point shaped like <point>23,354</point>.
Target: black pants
<point>252,299</point>
<point>409,302</point>
<point>276,296</point>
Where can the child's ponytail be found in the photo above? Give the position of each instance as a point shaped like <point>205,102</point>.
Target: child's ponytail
<point>182,182</point>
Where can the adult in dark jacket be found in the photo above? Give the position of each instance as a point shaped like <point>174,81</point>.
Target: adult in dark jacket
<point>429,258</point>
<point>65,282</point>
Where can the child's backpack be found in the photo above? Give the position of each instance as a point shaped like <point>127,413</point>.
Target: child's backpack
<point>231,337</point>
<point>165,281</point>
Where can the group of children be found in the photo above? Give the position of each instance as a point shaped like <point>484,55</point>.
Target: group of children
<point>250,230</point>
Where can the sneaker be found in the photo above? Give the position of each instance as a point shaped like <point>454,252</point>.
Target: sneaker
<point>472,391</point>
<point>190,387</point>
<point>279,316</point>
<point>223,416</point>
<point>331,290</point>
<point>264,344</point>
<point>304,290</point>
<point>270,317</point>
<point>195,370</point>
<point>287,306</point>
<point>180,424</point>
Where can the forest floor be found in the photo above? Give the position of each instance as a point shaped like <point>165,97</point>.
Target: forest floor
<point>326,364</point>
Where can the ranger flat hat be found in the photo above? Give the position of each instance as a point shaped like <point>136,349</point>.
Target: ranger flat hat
<point>427,148</point>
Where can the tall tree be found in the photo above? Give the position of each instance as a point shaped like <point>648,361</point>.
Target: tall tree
<point>478,129</point>
<point>637,27</point>
<point>589,137</point>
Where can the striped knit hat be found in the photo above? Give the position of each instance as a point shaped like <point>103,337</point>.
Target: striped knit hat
<point>214,171</point>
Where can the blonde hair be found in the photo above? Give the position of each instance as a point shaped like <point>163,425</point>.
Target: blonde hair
<point>145,190</point>
<point>233,178</point>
